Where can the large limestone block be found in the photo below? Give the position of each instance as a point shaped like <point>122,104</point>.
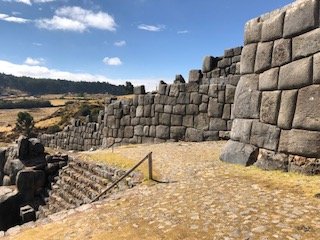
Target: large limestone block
<point>201,121</point>
<point>162,132</point>
<point>296,74</point>
<point>209,63</point>
<point>287,108</point>
<point>316,68</point>
<point>270,103</point>
<point>307,114</point>
<point>247,98</point>
<point>265,136</point>
<point>177,133</point>
<point>272,28</point>
<point>252,32</point>
<point>215,109</point>
<point>248,57</point>
<point>306,44</point>
<point>11,168</point>
<point>300,142</point>
<point>194,135</point>
<point>128,132</point>
<point>268,80</point>
<point>213,90</point>
<point>281,52</point>
<point>139,90</point>
<point>241,130</point>
<point>263,56</point>
<point>239,153</point>
<point>217,124</point>
<point>176,120</point>
<point>229,93</point>
<point>195,76</point>
<point>269,160</point>
<point>301,18</point>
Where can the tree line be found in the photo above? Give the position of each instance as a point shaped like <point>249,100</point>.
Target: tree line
<point>42,86</point>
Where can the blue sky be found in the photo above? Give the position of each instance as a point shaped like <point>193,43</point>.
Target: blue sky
<point>143,41</point>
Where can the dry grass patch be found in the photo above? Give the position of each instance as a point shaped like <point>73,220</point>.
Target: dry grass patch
<point>117,160</point>
<point>48,122</point>
<point>291,182</point>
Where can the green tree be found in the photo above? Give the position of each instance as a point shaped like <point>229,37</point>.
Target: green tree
<point>25,123</point>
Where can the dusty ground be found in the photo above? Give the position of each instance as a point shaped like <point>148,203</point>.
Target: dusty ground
<point>209,200</point>
<point>8,117</point>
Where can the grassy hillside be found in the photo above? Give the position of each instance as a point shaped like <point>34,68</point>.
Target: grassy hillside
<point>10,84</point>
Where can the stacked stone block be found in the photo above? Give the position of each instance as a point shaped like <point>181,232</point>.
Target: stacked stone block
<point>276,109</point>
<point>199,110</point>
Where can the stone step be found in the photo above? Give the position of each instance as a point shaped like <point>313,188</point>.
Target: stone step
<point>83,180</point>
<point>91,175</point>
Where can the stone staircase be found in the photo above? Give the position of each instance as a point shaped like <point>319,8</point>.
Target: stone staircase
<point>79,182</point>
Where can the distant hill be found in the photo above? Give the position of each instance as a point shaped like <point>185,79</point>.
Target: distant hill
<point>42,86</point>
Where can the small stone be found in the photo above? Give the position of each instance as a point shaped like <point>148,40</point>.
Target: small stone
<point>259,229</point>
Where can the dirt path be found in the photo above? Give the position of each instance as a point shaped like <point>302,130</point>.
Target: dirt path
<point>210,200</point>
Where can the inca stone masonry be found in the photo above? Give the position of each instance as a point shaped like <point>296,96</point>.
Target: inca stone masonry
<point>264,97</point>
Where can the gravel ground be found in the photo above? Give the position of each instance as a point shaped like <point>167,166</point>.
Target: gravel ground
<point>207,199</point>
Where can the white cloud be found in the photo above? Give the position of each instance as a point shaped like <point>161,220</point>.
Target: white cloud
<point>44,72</point>
<point>183,32</point>
<point>37,44</point>
<point>120,43</point>
<point>34,61</point>
<point>151,28</point>
<point>113,61</point>
<point>7,18</point>
<point>77,19</point>
<point>29,2</point>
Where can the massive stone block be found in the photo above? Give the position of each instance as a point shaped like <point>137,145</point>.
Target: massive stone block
<point>316,68</point>
<point>270,103</point>
<point>194,135</point>
<point>265,136</point>
<point>247,98</point>
<point>281,52</point>
<point>287,108</point>
<point>269,79</point>
<point>269,160</point>
<point>162,132</point>
<point>272,28</point>
<point>307,114</point>
<point>177,133</point>
<point>215,109</point>
<point>195,75</point>
<point>263,56</point>
<point>248,57</point>
<point>229,93</point>
<point>306,44</point>
<point>252,30</point>
<point>300,142</point>
<point>296,74</point>
<point>301,18</point>
<point>209,63</point>
<point>239,153</point>
<point>217,124</point>
<point>241,130</point>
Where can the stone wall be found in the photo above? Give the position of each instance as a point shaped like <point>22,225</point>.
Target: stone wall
<point>199,110</point>
<point>276,110</point>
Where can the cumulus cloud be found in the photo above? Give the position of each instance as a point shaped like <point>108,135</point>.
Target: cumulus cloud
<point>7,18</point>
<point>113,61</point>
<point>120,43</point>
<point>151,28</point>
<point>77,19</point>
<point>44,72</point>
<point>34,61</point>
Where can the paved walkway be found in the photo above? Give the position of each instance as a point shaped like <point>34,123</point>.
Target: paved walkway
<point>210,200</point>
